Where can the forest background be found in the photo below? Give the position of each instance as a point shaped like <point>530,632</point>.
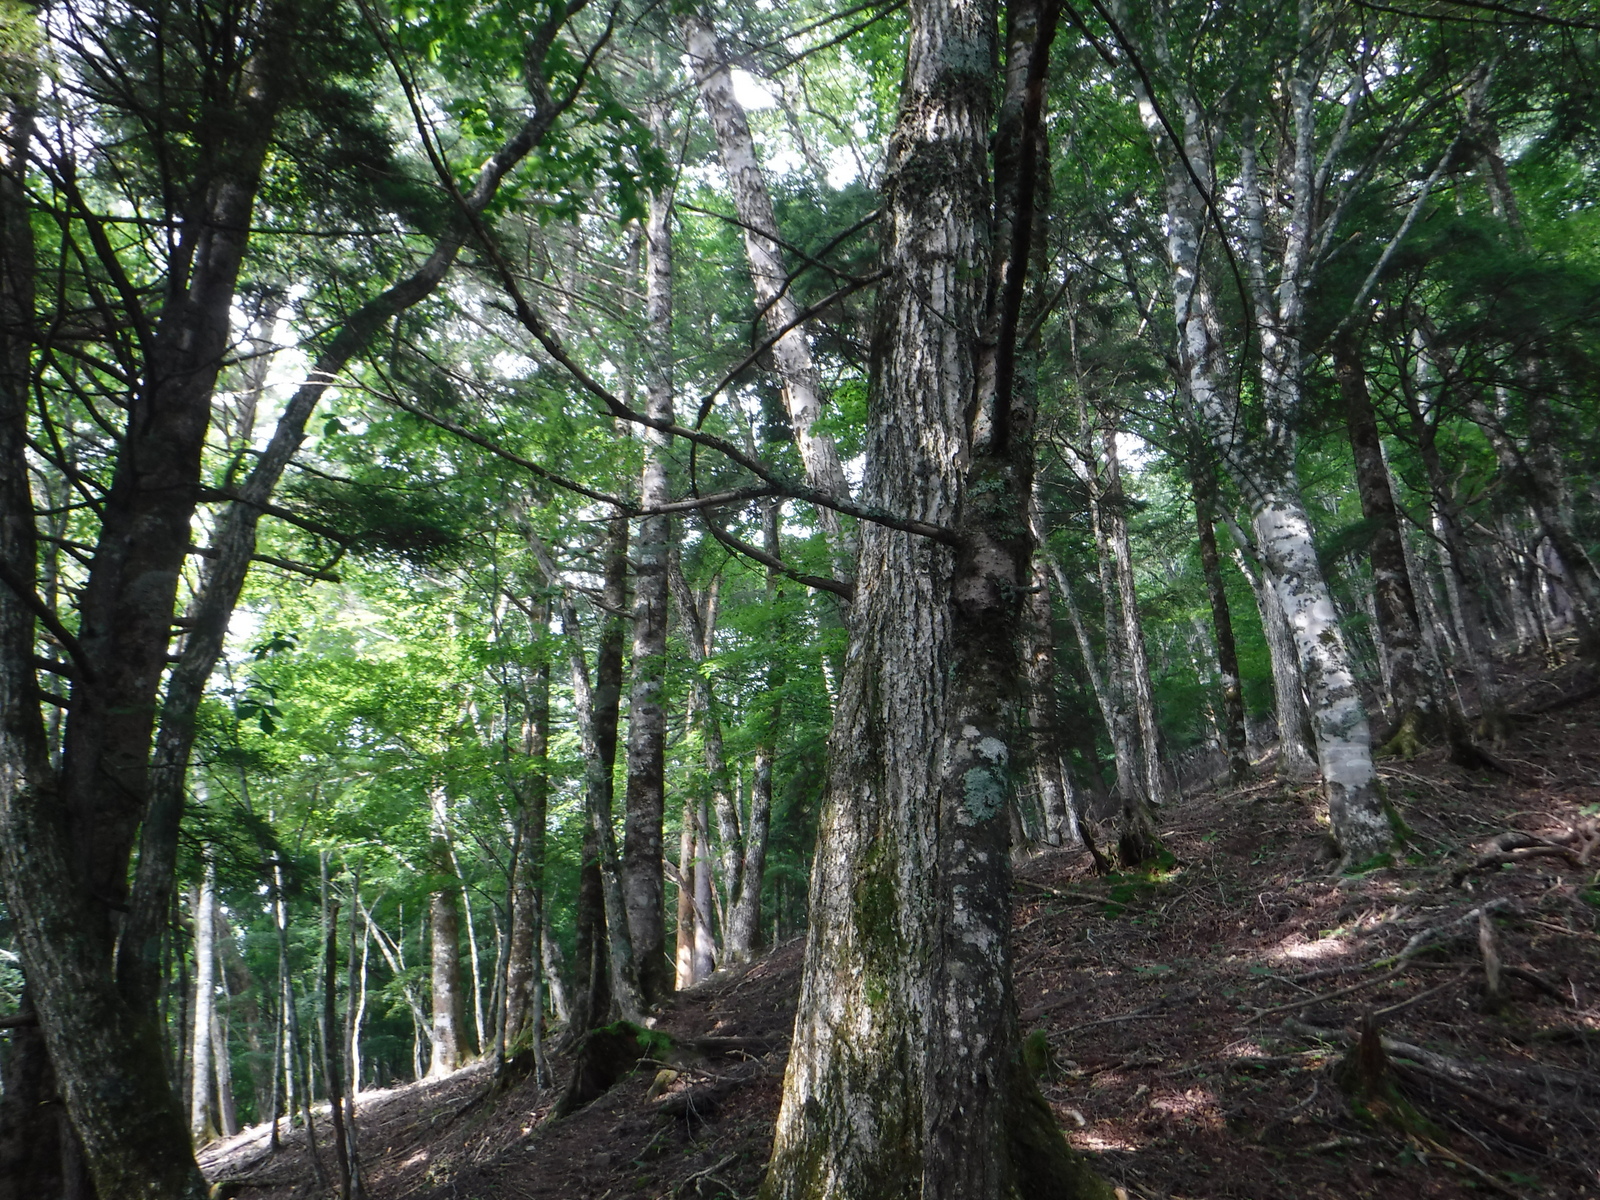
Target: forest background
<point>436,441</point>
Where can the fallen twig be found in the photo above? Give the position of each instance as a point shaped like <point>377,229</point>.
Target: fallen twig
<point>1317,999</point>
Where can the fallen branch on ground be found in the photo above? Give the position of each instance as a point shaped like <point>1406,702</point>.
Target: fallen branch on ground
<point>1457,1070</point>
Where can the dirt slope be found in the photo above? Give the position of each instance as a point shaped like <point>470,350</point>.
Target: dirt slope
<point>1192,1020</point>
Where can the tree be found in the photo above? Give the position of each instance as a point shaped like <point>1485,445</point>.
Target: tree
<point>920,1089</point>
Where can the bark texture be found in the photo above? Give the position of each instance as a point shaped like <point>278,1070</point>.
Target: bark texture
<point>791,351</point>
<point>444,930</point>
<point>645,801</point>
<point>904,1078</point>
<point>1234,733</point>
<point>1398,626</point>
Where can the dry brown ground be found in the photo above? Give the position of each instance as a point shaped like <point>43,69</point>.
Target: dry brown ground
<point>1196,1017</point>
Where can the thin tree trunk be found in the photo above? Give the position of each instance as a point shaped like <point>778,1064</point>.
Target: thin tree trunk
<point>744,918</point>
<point>1052,785</point>
<point>221,1055</point>
<point>532,789</point>
<point>645,804</point>
<point>704,938</point>
<point>474,965</point>
<point>791,351</point>
<point>349,1041</point>
<point>1399,629</point>
<point>612,960</point>
<point>1234,737</point>
<point>444,929</point>
<point>1136,659</point>
<point>202,1126</point>
<point>1297,759</point>
<point>330,1034</point>
<point>550,956</point>
<point>683,960</point>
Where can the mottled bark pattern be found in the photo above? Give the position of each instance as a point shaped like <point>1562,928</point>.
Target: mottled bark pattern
<point>904,1078</point>
<point>444,930</point>
<point>645,800</point>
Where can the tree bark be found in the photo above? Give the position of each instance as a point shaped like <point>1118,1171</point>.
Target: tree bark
<point>1234,734</point>
<point>791,351</point>
<point>1399,629</point>
<point>645,804</point>
<point>904,1078</point>
<point>202,1126</point>
<point>444,933</point>
<point>524,1013</point>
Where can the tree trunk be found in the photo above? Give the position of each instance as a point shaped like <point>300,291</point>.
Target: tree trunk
<point>1222,629</point>
<point>611,964</point>
<point>66,839</point>
<point>1399,629</point>
<point>444,932</point>
<point>1052,784</point>
<point>645,805</point>
<point>684,959</point>
<point>704,938</point>
<point>202,1126</point>
<point>332,1075</point>
<point>1297,758</point>
<point>532,789</point>
<point>699,631</point>
<point>1136,660</point>
<point>744,917</point>
<point>905,1077</point>
<point>791,351</point>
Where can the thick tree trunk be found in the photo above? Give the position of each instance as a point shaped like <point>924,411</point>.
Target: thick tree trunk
<point>791,351</point>
<point>202,1126</point>
<point>645,804</point>
<point>905,1078</point>
<point>1399,629</point>
<point>66,842</point>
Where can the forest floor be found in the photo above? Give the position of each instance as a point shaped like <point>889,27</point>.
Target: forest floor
<point>1197,1015</point>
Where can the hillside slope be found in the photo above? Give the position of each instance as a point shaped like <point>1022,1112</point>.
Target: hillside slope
<point>1192,1022</point>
